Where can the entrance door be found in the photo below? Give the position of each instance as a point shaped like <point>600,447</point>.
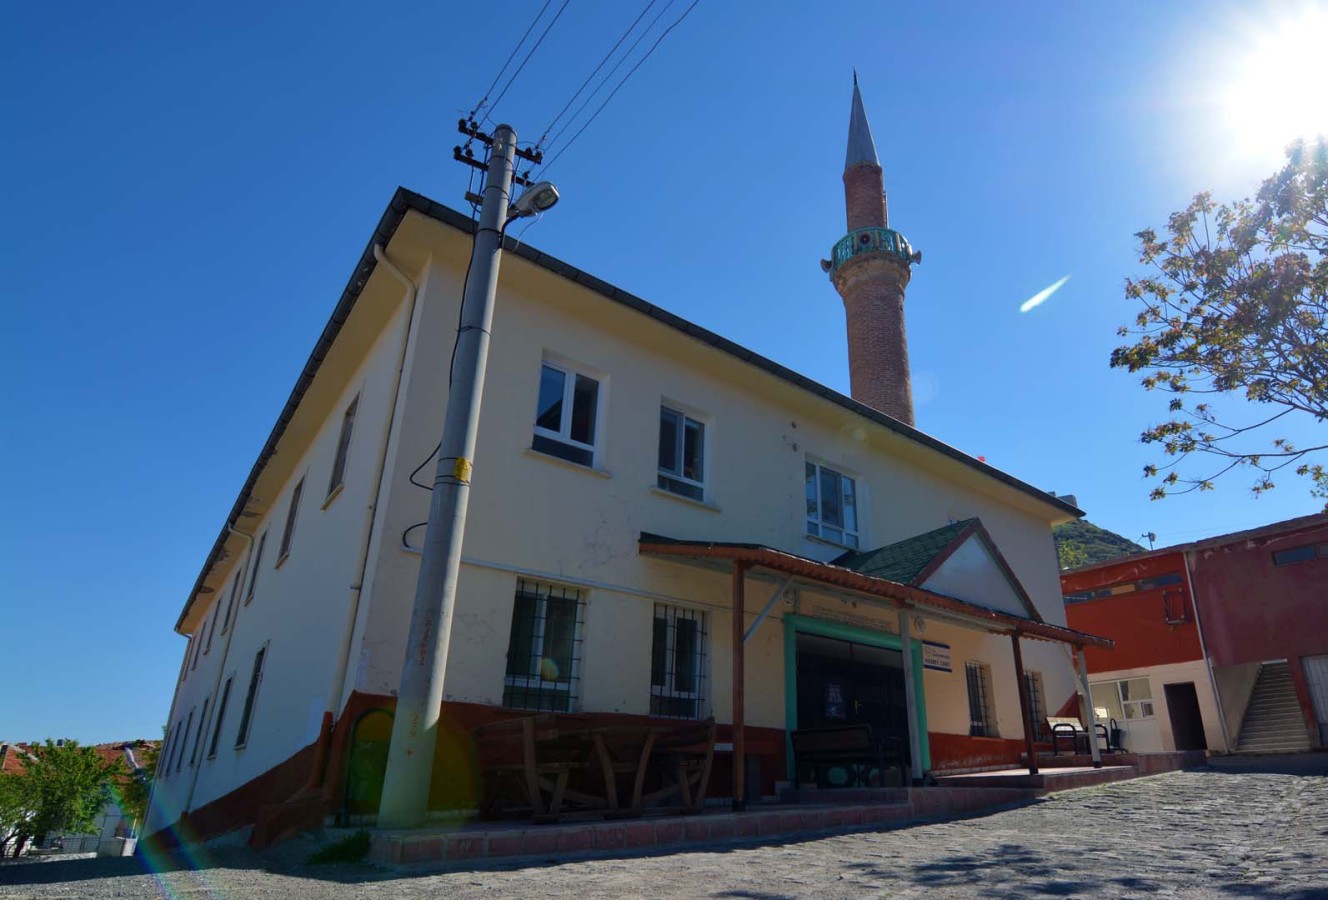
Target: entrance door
<point>846,683</point>
<point>1316,676</point>
<point>1186,722</point>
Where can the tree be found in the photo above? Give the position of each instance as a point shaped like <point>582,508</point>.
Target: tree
<point>67,787</point>
<point>1238,305</point>
<point>15,812</point>
<point>135,789</point>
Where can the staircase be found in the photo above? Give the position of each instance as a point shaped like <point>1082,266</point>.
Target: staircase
<point>1273,722</point>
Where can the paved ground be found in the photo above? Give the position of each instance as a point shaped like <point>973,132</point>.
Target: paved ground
<point>1241,830</point>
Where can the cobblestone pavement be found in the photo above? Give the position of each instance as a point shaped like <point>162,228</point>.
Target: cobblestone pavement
<point>1238,831</point>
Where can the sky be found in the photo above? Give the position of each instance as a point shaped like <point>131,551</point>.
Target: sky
<point>186,190</point>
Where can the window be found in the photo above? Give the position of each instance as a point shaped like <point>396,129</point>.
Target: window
<point>544,649</point>
<point>566,415</point>
<point>182,738</point>
<point>198,735</point>
<point>212,629</point>
<point>1130,699</point>
<point>681,454</point>
<point>197,640</point>
<point>677,662</point>
<point>253,575</point>
<point>1300,554</point>
<point>981,720</point>
<point>290,521</point>
<point>1126,587</point>
<point>246,717</point>
<point>167,748</point>
<point>221,717</point>
<point>832,505</point>
<point>230,604</point>
<point>343,447</point>
<point>1037,701</point>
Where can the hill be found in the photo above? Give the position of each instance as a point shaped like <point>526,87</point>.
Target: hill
<point>1082,543</point>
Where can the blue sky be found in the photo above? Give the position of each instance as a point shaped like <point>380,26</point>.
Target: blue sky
<point>186,190</point>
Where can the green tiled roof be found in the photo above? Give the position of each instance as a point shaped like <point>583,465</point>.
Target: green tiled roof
<point>902,561</point>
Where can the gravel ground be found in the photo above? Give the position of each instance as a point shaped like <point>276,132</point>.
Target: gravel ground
<point>1244,829</point>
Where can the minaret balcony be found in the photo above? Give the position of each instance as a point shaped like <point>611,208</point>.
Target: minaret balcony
<point>870,241</point>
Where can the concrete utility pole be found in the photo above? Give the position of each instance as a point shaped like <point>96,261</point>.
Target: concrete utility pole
<point>405,799</point>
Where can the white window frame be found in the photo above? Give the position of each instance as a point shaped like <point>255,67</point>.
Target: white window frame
<point>537,682</point>
<point>670,612</point>
<point>564,433</point>
<point>663,475</point>
<point>1127,705</point>
<point>816,527</point>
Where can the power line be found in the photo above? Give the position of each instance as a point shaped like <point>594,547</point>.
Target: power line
<point>542,36</point>
<point>510,57</point>
<point>658,40</point>
<point>599,87</point>
<point>607,56</point>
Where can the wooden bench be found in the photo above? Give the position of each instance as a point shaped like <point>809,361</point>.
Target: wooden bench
<point>1075,731</point>
<point>851,747</point>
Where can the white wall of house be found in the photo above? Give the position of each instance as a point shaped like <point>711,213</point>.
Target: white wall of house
<point>1154,734</point>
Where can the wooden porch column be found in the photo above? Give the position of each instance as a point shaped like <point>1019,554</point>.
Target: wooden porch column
<point>910,696</point>
<point>1090,714</point>
<point>739,731</point>
<point>1025,711</point>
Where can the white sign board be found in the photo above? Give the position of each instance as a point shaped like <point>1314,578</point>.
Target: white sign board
<point>936,656</point>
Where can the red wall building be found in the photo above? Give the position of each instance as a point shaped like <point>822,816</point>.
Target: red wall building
<point>1252,605</point>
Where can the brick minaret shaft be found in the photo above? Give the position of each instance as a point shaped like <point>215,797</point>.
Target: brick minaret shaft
<point>872,280</point>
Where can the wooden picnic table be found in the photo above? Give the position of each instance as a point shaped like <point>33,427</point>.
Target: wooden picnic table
<point>564,763</point>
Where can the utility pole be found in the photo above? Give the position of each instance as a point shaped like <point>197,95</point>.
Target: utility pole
<point>405,797</point>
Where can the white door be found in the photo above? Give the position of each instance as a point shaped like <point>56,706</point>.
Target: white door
<point>1316,674</point>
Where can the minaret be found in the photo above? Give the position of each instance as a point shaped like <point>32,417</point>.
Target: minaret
<point>870,268</point>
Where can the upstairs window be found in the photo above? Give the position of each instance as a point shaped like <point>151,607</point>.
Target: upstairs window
<point>1300,554</point>
<point>677,662</point>
<point>981,716</point>
<point>832,505</point>
<point>253,575</point>
<point>544,647</point>
<point>566,415</point>
<point>199,735</point>
<point>343,447</point>
<point>246,717</point>
<point>212,629</point>
<point>681,454</point>
<point>221,716</point>
<point>230,604</point>
<point>289,530</point>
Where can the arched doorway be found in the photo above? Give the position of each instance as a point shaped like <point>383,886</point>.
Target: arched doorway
<point>366,763</point>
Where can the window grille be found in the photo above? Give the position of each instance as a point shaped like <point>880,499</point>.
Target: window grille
<point>343,447</point>
<point>544,648</point>
<point>246,717</point>
<point>1037,703</point>
<point>221,716</point>
<point>677,663</point>
<point>981,721</point>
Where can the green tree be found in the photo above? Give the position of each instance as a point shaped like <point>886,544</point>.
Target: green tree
<point>67,785</point>
<point>15,811</point>
<point>135,789</point>
<point>1238,305</point>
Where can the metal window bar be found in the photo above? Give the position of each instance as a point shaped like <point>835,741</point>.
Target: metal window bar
<point>221,717</point>
<point>255,678</point>
<point>544,647</point>
<point>289,531</point>
<point>1037,703</point>
<point>201,733</point>
<point>979,700</point>
<point>678,662</point>
<point>343,446</point>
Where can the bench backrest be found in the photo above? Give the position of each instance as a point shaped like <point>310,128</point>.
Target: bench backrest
<point>1064,724</point>
<point>843,738</point>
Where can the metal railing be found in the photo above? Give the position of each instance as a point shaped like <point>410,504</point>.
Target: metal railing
<point>871,240</point>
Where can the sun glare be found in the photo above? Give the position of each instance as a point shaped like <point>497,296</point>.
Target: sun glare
<point>1279,84</point>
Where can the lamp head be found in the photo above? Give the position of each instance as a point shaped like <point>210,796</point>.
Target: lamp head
<point>535,199</point>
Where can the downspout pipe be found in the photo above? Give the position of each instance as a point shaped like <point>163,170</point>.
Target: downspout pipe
<point>1208,660</point>
<point>362,565</point>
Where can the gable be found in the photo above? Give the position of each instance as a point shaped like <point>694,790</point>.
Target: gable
<point>972,573</point>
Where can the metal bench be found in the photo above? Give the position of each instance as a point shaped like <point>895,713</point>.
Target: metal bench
<point>1074,730</point>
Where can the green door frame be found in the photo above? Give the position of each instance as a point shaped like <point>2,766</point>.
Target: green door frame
<point>795,625</point>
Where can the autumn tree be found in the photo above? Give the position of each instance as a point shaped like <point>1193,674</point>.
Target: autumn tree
<point>1237,304</point>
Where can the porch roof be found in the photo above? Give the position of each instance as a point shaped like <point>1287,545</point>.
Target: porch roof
<point>901,596</point>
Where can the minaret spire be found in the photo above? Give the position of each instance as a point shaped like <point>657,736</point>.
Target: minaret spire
<point>870,267</point>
